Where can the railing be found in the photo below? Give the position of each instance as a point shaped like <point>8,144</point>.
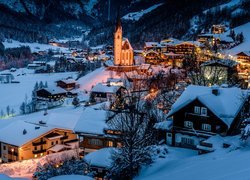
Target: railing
<point>38,143</point>
<point>13,153</point>
<point>64,137</point>
<point>39,151</point>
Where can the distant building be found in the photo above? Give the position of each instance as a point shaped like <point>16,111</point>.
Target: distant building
<point>123,51</point>
<point>220,71</point>
<point>51,94</point>
<point>218,29</point>
<point>103,92</point>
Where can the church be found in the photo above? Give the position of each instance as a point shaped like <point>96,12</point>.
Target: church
<point>123,51</point>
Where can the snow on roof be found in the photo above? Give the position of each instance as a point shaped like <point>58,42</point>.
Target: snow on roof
<point>21,132</point>
<point>55,90</point>
<point>226,105</point>
<point>5,177</point>
<point>104,88</point>
<point>224,62</point>
<point>68,81</point>
<point>245,52</point>
<point>152,44</point>
<point>59,147</point>
<point>126,44</point>
<point>165,125</point>
<point>71,177</point>
<point>100,158</point>
<point>92,121</point>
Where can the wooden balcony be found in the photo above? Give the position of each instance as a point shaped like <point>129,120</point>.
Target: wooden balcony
<point>38,143</point>
<point>39,151</point>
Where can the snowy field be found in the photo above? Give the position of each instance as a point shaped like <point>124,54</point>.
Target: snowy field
<point>13,94</point>
<point>35,47</point>
<point>245,46</point>
<point>223,164</point>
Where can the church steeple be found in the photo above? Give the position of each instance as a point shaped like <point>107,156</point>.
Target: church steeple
<point>118,20</point>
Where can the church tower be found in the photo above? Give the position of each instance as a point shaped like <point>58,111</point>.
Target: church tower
<point>118,42</point>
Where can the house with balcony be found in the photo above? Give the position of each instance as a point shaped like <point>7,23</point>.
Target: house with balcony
<point>22,140</point>
<point>93,131</point>
<point>202,112</point>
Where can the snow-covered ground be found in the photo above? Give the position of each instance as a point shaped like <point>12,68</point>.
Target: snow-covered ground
<point>135,16</point>
<point>245,46</point>
<point>35,47</point>
<point>26,168</point>
<point>230,4</point>
<point>97,76</point>
<point>13,94</point>
<point>223,164</point>
<point>71,177</point>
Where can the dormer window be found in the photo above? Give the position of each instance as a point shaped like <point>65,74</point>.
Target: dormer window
<point>204,111</point>
<point>197,110</point>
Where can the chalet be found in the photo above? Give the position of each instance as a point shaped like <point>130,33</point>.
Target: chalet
<point>23,140</point>
<point>102,92</point>
<point>100,162</point>
<point>153,57</point>
<point>244,59</point>
<point>51,94</point>
<point>202,112</point>
<point>219,71</point>
<point>91,130</point>
<point>115,82</point>
<point>218,29</point>
<point>67,84</point>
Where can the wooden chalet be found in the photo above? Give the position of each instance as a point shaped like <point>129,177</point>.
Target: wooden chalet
<point>67,84</point>
<point>202,112</point>
<point>23,140</point>
<point>51,94</point>
<point>104,92</point>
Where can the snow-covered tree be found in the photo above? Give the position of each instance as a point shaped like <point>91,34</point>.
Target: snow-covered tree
<point>63,167</point>
<point>8,110</point>
<point>134,125</point>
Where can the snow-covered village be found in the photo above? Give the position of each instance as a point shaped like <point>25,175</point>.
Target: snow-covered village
<point>128,89</point>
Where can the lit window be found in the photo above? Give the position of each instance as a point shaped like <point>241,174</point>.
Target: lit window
<point>188,124</point>
<point>35,156</point>
<point>206,127</point>
<point>203,111</point>
<point>197,110</point>
<point>110,143</point>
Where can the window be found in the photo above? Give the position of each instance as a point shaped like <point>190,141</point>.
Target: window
<point>56,142</point>
<point>188,141</point>
<point>35,148</point>
<point>188,124</point>
<point>96,142</point>
<point>197,110</point>
<point>110,143</point>
<point>4,147</point>
<point>206,127</point>
<point>203,111</point>
<point>52,143</point>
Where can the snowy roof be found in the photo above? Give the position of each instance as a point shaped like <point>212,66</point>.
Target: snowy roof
<point>70,177</point>
<point>92,121</point>
<point>104,88</point>
<point>68,81</point>
<point>55,90</point>
<point>226,105</point>
<point>126,44</point>
<point>165,125</point>
<point>100,158</point>
<point>224,62</point>
<point>21,132</point>
<point>58,148</point>
<point>245,52</point>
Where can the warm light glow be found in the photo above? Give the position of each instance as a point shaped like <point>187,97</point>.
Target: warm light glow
<point>12,149</point>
